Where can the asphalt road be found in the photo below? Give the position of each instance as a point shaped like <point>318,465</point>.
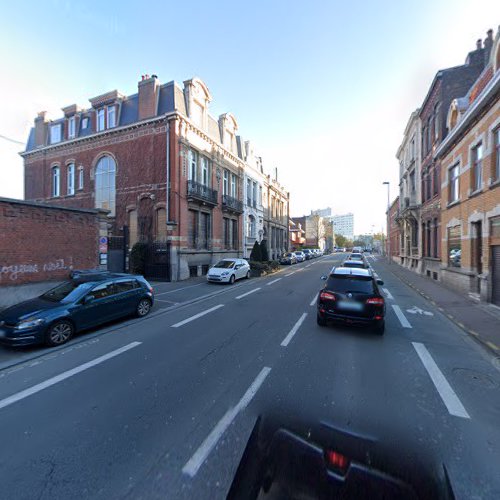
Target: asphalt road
<point>162,407</point>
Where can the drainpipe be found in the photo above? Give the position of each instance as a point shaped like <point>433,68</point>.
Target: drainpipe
<point>167,186</point>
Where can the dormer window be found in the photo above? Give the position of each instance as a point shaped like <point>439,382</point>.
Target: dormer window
<point>71,127</point>
<point>55,133</point>
<point>111,116</point>
<point>85,122</point>
<point>100,120</point>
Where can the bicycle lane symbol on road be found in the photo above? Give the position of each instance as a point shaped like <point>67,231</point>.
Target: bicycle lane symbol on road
<point>417,310</point>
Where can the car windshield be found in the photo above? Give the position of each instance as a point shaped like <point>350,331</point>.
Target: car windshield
<point>349,283</point>
<point>224,264</point>
<point>66,292</point>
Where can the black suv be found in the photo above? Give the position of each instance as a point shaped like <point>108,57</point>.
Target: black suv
<point>352,296</point>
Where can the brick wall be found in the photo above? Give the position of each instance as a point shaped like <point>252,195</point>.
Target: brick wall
<point>41,242</point>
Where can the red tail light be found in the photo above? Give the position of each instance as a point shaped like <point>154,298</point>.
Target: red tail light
<point>376,301</point>
<point>337,461</point>
<point>326,296</point>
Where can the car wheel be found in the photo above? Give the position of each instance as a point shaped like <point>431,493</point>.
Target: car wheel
<point>321,321</point>
<point>380,329</point>
<point>232,279</point>
<point>143,308</point>
<point>248,275</point>
<point>59,333</point>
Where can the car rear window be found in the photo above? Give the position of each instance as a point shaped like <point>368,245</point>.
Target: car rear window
<point>349,283</point>
<point>125,286</point>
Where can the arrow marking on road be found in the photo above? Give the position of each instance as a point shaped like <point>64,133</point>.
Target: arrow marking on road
<point>196,461</point>
<point>389,294</point>
<point>417,310</point>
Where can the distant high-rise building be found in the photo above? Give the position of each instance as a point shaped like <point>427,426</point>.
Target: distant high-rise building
<point>322,212</point>
<point>344,225</point>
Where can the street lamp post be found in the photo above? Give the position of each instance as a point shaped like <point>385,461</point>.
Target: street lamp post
<point>387,183</point>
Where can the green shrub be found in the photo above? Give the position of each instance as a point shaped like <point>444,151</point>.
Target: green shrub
<point>259,266</point>
<point>274,264</point>
<point>263,251</point>
<point>256,255</point>
<point>138,258</point>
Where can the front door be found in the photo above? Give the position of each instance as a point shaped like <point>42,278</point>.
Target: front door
<point>495,275</point>
<point>477,251</point>
<point>99,309</point>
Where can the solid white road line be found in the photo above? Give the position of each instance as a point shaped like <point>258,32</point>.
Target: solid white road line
<point>63,376</point>
<point>450,399</point>
<point>196,461</point>
<point>289,274</point>
<point>402,318</point>
<point>248,293</point>
<point>196,316</point>
<point>293,331</point>
<point>389,294</point>
<point>179,289</point>
<point>313,301</point>
<point>274,281</point>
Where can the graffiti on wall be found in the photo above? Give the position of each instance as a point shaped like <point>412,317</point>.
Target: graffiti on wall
<point>15,271</point>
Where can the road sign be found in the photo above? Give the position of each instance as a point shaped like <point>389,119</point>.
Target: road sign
<point>103,240</point>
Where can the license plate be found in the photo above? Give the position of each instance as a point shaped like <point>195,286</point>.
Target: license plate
<point>350,306</point>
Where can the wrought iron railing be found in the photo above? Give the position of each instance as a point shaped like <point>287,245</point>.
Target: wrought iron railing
<point>232,203</point>
<point>201,192</point>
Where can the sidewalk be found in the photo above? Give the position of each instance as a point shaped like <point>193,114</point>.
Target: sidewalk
<point>482,321</point>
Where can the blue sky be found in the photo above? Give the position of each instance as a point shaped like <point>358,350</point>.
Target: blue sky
<point>322,88</point>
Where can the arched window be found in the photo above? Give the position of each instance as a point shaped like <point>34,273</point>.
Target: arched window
<point>105,184</point>
<point>56,181</point>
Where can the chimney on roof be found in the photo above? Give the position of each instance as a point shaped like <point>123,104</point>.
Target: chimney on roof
<point>479,44</point>
<point>488,44</point>
<point>149,89</point>
<point>41,129</point>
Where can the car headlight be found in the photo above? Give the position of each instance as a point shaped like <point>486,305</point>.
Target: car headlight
<point>225,273</point>
<point>29,323</point>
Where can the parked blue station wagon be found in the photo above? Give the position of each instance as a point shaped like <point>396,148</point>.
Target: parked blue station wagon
<point>88,300</point>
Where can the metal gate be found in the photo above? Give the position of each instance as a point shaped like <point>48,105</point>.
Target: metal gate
<point>116,254</point>
<point>495,275</point>
<point>157,261</point>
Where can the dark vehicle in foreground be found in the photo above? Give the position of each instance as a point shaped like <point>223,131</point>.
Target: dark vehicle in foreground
<point>288,258</point>
<point>302,457</point>
<point>356,264</point>
<point>86,301</point>
<point>351,296</point>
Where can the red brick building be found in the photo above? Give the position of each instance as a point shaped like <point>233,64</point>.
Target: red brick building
<point>40,242</point>
<point>167,171</point>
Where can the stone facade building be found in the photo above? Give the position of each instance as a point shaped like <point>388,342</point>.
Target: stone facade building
<point>410,195</point>
<point>276,202</point>
<point>170,174</point>
<point>469,159</point>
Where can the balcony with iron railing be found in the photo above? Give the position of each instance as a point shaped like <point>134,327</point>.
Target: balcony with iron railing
<point>199,192</point>
<point>230,203</point>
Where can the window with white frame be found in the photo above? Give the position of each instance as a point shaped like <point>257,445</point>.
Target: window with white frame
<point>477,167</point>
<point>100,120</point>
<point>233,185</point>
<point>254,193</point>
<point>225,183</point>
<point>193,165</point>
<point>55,133</point>
<point>56,181</point>
<point>80,177</point>
<point>205,171</point>
<point>111,116</point>
<point>70,178</point>
<point>71,127</point>
<point>85,122</point>
<point>454,178</point>
<point>249,192</point>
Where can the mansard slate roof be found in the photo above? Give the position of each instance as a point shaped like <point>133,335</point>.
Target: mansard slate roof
<point>171,98</point>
